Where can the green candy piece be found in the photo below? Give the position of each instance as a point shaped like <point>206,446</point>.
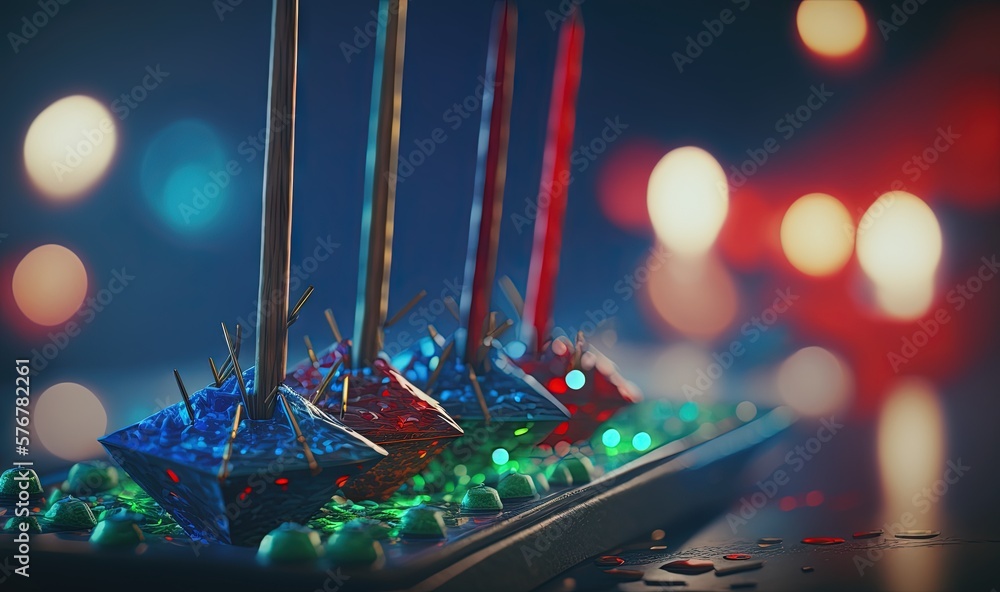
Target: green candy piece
<point>353,545</point>
<point>377,530</point>
<point>580,467</point>
<point>541,482</point>
<point>14,524</point>
<point>116,533</point>
<point>88,478</point>
<point>290,543</point>
<point>516,486</point>
<point>560,475</point>
<point>11,479</point>
<point>422,522</point>
<point>480,498</point>
<point>71,512</point>
<point>57,494</point>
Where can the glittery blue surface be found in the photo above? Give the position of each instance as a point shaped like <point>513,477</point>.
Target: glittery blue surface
<point>510,394</point>
<point>269,480</point>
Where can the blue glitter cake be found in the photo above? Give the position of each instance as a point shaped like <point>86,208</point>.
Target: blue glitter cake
<point>270,477</point>
<point>514,411</point>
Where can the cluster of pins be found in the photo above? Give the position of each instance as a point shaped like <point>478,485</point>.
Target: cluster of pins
<point>324,386</point>
<point>251,406</point>
<point>493,330</point>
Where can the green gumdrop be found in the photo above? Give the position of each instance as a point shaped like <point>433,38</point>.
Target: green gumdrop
<point>14,524</point>
<point>88,478</point>
<point>57,494</point>
<point>481,498</point>
<point>516,486</point>
<point>116,533</point>
<point>377,530</point>
<point>422,522</point>
<point>541,482</point>
<point>72,513</point>
<point>289,543</point>
<point>354,545</point>
<point>11,479</point>
<point>560,475</point>
<point>580,467</point>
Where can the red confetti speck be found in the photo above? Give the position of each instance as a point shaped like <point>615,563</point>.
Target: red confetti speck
<point>557,385</point>
<point>342,480</point>
<point>173,476</point>
<point>822,541</point>
<point>281,481</point>
<point>609,560</point>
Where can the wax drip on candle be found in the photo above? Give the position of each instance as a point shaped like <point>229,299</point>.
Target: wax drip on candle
<point>544,267</point>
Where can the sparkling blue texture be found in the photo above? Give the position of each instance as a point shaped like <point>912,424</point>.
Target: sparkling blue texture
<point>242,507</point>
<point>510,394</point>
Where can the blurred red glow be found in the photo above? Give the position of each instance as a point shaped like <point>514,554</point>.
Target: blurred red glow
<point>943,107</point>
<point>622,182</point>
<point>750,232</point>
<point>814,498</point>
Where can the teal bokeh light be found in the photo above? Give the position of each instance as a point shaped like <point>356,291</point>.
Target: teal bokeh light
<point>184,176</point>
<point>688,411</point>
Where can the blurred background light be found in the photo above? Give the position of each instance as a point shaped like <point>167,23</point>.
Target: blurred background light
<point>688,198</point>
<point>911,457</point>
<point>746,411</point>
<point>49,284</point>
<point>814,382</point>
<point>622,182</point>
<point>817,234</point>
<point>910,442</point>
<point>185,176</point>
<point>68,419</point>
<point>69,147</point>
<point>899,247</point>
<point>831,28</point>
<point>695,296</point>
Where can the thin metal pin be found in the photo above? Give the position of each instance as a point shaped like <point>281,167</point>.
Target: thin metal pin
<point>452,307</point>
<point>406,308</point>
<point>184,394</point>
<point>234,355</point>
<point>314,467</point>
<point>309,348</point>
<point>293,314</point>
<point>438,339</point>
<point>501,329</point>
<point>441,361</point>
<point>228,453</point>
<point>343,397</point>
<point>326,382</point>
<point>215,372</point>
<point>333,325</point>
<point>512,295</point>
<point>227,366</point>
<point>479,395</point>
<point>578,349</point>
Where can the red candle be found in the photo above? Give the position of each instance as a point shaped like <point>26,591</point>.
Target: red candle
<point>491,172</point>
<point>554,185</point>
